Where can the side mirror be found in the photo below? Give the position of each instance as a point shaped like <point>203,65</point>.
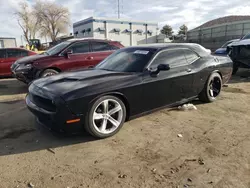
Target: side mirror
<point>67,53</point>
<point>161,67</point>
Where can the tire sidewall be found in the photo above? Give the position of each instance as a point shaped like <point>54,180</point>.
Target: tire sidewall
<point>211,77</point>
<point>89,127</point>
<point>47,71</point>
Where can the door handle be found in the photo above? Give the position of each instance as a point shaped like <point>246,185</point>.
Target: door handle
<point>189,70</point>
<point>89,58</point>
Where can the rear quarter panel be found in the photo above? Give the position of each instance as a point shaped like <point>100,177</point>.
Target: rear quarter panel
<point>204,67</point>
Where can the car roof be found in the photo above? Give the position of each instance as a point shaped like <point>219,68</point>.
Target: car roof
<point>91,39</point>
<point>162,46</point>
<point>14,48</point>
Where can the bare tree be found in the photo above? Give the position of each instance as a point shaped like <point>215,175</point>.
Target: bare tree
<point>23,19</point>
<point>53,18</point>
<point>27,21</point>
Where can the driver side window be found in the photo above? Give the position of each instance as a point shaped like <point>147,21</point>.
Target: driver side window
<point>174,58</point>
<point>80,47</point>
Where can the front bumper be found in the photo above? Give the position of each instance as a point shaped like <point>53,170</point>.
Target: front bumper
<point>25,75</point>
<point>56,120</point>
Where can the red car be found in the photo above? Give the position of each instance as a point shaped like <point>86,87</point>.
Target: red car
<point>8,56</point>
<point>69,55</point>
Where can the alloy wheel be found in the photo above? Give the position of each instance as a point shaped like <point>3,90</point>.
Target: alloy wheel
<point>215,87</point>
<point>107,116</point>
<point>48,74</point>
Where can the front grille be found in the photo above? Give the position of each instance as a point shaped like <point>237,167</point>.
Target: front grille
<point>42,102</point>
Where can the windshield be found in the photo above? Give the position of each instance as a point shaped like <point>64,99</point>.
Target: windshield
<point>226,44</point>
<point>56,49</point>
<point>246,37</point>
<point>127,60</point>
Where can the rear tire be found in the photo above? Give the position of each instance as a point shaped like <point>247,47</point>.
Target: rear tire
<point>212,88</point>
<point>106,117</point>
<point>48,72</point>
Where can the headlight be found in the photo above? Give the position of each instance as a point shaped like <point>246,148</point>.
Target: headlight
<point>24,67</point>
<point>28,65</point>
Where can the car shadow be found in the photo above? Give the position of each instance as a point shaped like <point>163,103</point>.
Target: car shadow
<point>29,140</point>
<point>33,138</point>
<point>19,132</point>
<point>243,75</point>
<point>12,87</point>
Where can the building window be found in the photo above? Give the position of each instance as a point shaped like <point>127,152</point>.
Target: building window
<point>83,32</point>
<point>139,31</point>
<point>101,29</point>
<point>117,30</point>
<point>150,32</point>
<point>128,30</point>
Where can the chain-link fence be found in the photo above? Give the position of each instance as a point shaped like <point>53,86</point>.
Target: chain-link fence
<point>215,37</point>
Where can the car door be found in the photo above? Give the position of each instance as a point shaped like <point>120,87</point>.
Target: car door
<point>2,62</point>
<point>13,55</point>
<point>80,57</point>
<point>195,62</point>
<point>170,86</point>
<point>100,50</point>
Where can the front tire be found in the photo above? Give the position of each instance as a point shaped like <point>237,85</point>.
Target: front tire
<point>48,72</point>
<point>106,117</point>
<point>212,88</point>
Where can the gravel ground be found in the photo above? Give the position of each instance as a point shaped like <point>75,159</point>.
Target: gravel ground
<point>214,150</point>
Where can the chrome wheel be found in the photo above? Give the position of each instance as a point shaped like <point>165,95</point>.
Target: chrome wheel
<point>48,74</point>
<point>107,116</point>
<point>215,87</point>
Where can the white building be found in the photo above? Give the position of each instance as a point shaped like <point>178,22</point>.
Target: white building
<point>125,31</point>
<point>7,42</point>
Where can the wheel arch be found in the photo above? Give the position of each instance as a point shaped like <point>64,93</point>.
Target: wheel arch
<point>54,68</point>
<point>119,95</point>
<point>216,71</point>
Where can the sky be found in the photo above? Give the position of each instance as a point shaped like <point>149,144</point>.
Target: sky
<point>175,13</point>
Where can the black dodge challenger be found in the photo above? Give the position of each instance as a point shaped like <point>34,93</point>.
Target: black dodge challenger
<point>131,82</point>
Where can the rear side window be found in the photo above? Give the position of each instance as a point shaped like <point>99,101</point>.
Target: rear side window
<point>13,53</point>
<point>100,46</point>
<point>190,56</point>
<point>114,47</point>
<point>175,58</point>
<point>2,54</point>
<point>23,53</point>
<point>80,47</point>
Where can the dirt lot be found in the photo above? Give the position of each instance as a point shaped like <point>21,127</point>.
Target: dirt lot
<point>213,152</point>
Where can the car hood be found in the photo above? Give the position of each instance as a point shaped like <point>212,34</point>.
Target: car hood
<point>71,85</point>
<point>240,43</point>
<point>31,58</point>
